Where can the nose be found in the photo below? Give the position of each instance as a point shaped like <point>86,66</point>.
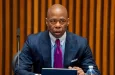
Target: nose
<point>58,25</point>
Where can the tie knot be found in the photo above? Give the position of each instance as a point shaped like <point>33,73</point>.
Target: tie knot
<point>57,42</point>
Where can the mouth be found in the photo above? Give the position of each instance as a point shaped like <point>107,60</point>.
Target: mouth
<point>57,33</point>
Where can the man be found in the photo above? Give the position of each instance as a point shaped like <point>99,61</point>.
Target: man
<point>56,47</point>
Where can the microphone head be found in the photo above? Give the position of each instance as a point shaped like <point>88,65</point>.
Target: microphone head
<point>18,32</point>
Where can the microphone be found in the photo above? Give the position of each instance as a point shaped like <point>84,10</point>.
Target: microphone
<point>18,33</point>
<point>18,44</point>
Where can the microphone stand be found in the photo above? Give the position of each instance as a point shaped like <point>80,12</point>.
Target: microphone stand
<point>18,44</point>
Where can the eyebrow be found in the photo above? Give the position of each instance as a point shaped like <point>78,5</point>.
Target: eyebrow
<point>56,18</point>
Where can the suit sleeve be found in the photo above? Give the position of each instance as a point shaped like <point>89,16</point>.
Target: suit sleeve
<point>25,61</point>
<point>88,59</point>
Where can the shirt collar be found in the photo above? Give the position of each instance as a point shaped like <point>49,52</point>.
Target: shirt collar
<point>53,39</point>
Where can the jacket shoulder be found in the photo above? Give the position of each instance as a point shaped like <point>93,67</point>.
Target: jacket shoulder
<point>74,36</point>
<point>36,36</point>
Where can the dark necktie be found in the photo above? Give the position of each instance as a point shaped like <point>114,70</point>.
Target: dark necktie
<point>58,55</point>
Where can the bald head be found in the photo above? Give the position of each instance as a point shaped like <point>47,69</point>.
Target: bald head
<point>57,9</point>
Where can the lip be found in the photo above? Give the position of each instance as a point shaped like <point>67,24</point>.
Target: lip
<point>57,33</point>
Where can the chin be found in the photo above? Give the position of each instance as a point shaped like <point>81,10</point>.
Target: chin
<point>58,36</point>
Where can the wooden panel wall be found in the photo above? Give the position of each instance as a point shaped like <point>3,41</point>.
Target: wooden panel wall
<point>93,19</point>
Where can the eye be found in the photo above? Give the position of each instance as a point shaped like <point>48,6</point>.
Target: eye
<point>53,21</point>
<point>62,21</point>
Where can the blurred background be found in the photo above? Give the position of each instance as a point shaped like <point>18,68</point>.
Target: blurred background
<point>92,19</point>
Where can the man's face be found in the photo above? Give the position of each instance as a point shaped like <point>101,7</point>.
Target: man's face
<point>57,23</point>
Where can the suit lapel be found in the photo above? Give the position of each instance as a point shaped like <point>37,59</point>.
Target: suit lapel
<point>70,50</point>
<point>46,49</point>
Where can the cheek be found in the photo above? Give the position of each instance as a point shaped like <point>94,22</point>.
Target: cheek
<point>50,27</point>
<point>64,27</point>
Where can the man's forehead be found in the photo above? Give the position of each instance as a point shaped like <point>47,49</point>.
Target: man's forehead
<point>62,17</point>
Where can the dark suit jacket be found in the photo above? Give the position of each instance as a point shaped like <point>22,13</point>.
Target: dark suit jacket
<point>37,52</point>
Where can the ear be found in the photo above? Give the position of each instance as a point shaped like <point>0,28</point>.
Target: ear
<point>67,21</point>
<point>46,21</point>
